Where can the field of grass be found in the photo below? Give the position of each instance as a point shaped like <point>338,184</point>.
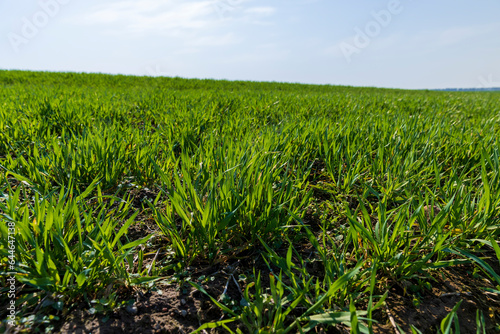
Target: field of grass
<point>261,207</point>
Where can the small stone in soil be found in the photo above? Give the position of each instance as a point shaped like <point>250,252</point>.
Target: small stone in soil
<point>132,309</point>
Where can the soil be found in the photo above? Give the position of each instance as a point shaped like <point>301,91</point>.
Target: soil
<point>168,310</point>
<point>456,284</point>
<point>175,310</point>
<point>177,307</point>
<point>172,308</point>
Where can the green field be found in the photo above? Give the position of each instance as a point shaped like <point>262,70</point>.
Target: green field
<point>278,207</point>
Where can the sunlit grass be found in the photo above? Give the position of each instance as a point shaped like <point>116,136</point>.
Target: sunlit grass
<point>380,186</point>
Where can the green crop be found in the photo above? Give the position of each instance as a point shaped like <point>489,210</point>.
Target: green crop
<point>340,193</point>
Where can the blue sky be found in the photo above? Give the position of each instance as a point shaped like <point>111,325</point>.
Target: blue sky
<point>390,43</point>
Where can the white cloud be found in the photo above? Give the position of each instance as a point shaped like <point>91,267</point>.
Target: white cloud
<point>261,11</point>
<point>213,40</point>
<point>170,17</point>
<point>148,16</point>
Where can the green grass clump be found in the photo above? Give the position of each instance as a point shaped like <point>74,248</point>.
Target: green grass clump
<point>370,187</point>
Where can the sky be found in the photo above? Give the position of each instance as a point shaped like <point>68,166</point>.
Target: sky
<point>389,43</point>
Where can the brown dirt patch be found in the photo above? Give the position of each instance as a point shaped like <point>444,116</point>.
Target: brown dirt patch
<point>168,310</point>
<point>434,305</point>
